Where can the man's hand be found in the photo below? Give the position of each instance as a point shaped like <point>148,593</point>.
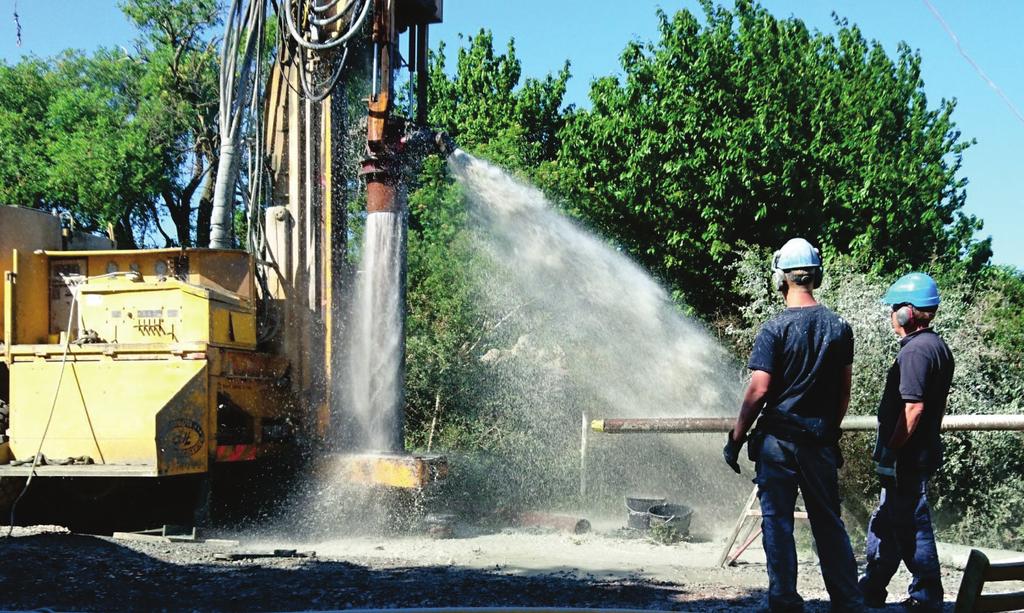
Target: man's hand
<point>731,452</point>
<point>753,402</point>
<point>885,468</point>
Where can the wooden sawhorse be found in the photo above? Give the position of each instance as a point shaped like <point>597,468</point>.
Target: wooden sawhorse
<point>752,512</point>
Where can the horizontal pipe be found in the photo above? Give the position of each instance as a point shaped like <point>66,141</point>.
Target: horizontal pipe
<point>852,423</point>
<point>565,523</point>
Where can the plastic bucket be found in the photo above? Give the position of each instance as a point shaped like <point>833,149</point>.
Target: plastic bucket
<point>638,509</point>
<point>675,515</point>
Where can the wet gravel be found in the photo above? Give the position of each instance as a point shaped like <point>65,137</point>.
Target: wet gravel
<point>49,568</point>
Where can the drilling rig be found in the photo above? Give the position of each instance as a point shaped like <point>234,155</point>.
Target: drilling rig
<point>164,368</point>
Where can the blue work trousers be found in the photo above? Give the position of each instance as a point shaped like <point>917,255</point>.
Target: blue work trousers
<point>782,466</point>
<point>900,530</point>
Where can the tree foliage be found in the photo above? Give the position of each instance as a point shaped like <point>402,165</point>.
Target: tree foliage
<point>178,106</point>
<point>71,141</point>
<point>751,128</point>
<point>491,110</point>
<point>117,138</point>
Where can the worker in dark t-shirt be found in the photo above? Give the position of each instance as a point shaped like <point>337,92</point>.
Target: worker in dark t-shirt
<point>801,369</point>
<point>908,449</point>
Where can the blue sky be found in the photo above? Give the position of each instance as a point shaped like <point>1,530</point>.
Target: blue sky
<point>591,33</point>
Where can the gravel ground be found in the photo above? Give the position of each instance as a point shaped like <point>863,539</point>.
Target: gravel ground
<point>48,567</point>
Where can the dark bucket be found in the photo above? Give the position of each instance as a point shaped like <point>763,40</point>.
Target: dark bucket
<point>638,511</point>
<point>674,515</point>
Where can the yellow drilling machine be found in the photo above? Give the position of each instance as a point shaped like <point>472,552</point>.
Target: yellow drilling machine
<point>185,375</point>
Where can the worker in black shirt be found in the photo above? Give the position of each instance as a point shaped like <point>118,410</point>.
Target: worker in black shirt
<point>908,450</point>
<point>800,386</point>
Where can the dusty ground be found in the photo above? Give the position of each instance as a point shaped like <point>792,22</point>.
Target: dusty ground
<point>51,568</point>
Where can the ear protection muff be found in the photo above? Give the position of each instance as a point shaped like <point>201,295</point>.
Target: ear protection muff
<point>819,273</point>
<point>778,275</point>
<point>905,315</point>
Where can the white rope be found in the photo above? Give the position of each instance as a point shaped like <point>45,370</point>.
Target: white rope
<point>56,392</point>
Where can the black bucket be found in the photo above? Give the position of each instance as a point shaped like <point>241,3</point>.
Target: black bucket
<point>638,511</point>
<point>674,515</point>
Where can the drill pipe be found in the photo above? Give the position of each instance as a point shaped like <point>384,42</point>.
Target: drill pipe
<point>677,425</point>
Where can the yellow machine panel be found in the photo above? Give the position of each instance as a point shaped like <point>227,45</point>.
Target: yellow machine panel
<point>390,469</point>
<point>38,295</point>
<point>119,310</point>
<point>223,270</point>
<point>25,230</point>
<point>26,299</point>
<point>117,412</point>
<point>162,346</point>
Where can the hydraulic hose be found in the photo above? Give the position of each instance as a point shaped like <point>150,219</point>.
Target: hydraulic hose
<point>302,42</point>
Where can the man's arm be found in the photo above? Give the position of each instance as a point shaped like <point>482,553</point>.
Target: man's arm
<point>845,386</point>
<point>906,424</point>
<point>753,402</point>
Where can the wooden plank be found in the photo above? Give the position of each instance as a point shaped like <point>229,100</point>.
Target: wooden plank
<point>140,537</point>
<point>971,584</point>
<point>744,514</point>
<point>1005,571</point>
<point>147,536</point>
<point>1012,601</point>
<point>255,555</point>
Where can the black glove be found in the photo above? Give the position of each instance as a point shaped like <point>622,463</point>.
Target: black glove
<point>885,468</point>
<point>731,452</point>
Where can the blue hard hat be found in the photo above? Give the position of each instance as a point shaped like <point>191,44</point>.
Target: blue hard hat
<point>915,288</point>
<point>796,253</point>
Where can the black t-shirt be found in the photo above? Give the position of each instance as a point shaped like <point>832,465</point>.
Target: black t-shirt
<point>922,372</point>
<point>805,350</point>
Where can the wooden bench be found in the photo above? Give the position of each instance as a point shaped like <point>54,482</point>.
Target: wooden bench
<point>980,571</point>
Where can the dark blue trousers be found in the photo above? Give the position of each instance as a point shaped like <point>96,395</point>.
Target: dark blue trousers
<point>900,530</point>
<point>783,466</point>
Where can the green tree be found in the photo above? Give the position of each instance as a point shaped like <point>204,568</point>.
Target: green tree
<point>25,95</point>
<point>85,153</point>
<point>119,139</point>
<point>751,128</point>
<point>491,110</point>
<point>178,107</point>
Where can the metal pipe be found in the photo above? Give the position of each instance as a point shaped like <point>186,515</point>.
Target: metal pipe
<point>556,521</point>
<point>382,196</point>
<point>422,74</point>
<point>374,70</point>
<point>584,436</point>
<point>852,423</point>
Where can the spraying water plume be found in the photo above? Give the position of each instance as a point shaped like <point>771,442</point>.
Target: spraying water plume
<point>607,328</point>
<point>640,354</point>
